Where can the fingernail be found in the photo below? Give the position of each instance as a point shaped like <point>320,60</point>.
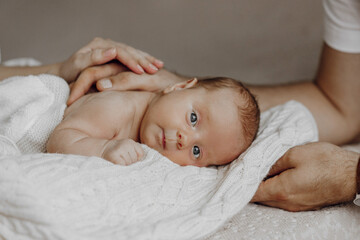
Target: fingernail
<point>109,52</point>
<point>159,62</point>
<point>140,68</point>
<point>153,67</point>
<point>106,83</point>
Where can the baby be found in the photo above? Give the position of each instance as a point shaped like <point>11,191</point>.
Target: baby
<point>200,123</point>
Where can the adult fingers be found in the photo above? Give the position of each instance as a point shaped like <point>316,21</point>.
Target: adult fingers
<point>130,60</point>
<point>91,75</point>
<point>94,57</point>
<point>148,66</point>
<point>71,86</point>
<point>277,188</point>
<point>137,61</point>
<point>284,163</point>
<point>286,206</point>
<point>125,81</point>
<point>293,206</point>
<point>158,63</point>
<point>97,43</point>
<point>150,63</point>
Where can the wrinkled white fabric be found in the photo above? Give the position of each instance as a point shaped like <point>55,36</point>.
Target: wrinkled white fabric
<point>51,196</point>
<point>31,107</point>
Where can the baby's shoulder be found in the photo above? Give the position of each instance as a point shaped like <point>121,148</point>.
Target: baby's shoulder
<point>118,98</point>
<point>100,102</point>
<point>108,97</point>
<point>119,102</point>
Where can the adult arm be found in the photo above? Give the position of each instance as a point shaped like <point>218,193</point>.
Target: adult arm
<point>95,53</point>
<point>6,72</point>
<point>319,174</point>
<point>333,98</point>
<point>68,69</point>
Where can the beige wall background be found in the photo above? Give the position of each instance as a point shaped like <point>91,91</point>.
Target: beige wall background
<point>256,41</point>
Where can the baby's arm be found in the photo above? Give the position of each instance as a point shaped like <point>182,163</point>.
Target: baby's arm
<point>74,141</point>
<point>90,129</point>
<point>123,152</point>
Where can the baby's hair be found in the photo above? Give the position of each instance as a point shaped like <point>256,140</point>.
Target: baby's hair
<point>248,110</point>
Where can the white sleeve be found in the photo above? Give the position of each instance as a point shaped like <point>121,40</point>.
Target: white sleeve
<point>342,25</point>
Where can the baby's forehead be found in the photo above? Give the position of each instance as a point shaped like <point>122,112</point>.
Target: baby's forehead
<point>221,91</point>
<point>227,96</point>
<point>226,149</point>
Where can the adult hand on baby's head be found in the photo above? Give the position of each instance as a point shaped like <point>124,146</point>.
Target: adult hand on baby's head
<point>115,76</point>
<point>123,152</point>
<point>310,177</point>
<point>90,76</point>
<point>100,51</point>
<point>134,59</point>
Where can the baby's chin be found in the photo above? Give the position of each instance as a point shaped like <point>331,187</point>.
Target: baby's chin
<point>152,145</point>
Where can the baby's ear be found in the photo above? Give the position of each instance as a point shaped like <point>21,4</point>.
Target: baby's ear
<point>181,85</point>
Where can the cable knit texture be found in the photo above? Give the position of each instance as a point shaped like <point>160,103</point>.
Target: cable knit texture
<point>53,196</point>
<point>31,107</point>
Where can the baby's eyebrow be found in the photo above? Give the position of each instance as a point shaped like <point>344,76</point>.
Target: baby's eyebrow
<point>202,114</point>
<point>206,114</point>
<point>203,153</point>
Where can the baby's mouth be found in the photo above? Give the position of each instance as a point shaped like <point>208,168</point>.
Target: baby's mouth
<point>163,140</point>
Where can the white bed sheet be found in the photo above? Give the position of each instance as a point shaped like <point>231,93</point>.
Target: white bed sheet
<point>261,222</point>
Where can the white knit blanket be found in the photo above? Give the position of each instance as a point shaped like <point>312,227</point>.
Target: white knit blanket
<point>52,196</point>
<point>31,107</point>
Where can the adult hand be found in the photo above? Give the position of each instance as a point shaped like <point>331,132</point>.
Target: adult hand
<point>309,177</point>
<point>115,76</point>
<point>100,51</point>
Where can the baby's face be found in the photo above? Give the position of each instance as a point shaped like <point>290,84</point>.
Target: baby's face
<point>194,127</point>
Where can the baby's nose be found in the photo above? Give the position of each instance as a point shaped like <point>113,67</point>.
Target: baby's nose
<point>182,140</point>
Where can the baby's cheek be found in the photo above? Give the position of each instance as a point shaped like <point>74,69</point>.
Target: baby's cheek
<point>145,139</point>
<point>178,157</point>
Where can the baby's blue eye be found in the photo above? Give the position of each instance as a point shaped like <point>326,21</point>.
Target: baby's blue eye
<point>196,151</point>
<point>193,118</point>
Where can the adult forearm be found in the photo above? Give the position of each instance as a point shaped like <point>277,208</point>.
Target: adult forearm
<point>332,97</point>
<point>6,72</point>
<point>331,123</point>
